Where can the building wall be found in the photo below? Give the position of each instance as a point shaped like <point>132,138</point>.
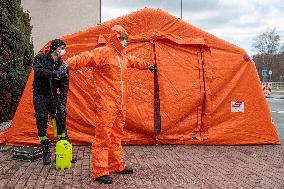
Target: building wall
<point>54,18</point>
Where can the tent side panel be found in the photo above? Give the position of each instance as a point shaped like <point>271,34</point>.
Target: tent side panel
<point>23,128</point>
<point>240,113</point>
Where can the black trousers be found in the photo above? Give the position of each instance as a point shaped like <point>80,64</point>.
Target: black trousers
<point>49,105</point>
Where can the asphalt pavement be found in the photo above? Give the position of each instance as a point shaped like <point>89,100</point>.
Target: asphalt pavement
<point>277,110</point>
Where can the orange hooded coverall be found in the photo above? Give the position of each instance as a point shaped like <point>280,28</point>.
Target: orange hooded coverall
<point>111,63</point>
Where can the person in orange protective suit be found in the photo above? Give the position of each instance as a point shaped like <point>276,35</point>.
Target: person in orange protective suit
<point>111,63</point>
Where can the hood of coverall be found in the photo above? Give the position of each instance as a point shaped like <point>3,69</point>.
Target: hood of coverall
<point>117,32</point>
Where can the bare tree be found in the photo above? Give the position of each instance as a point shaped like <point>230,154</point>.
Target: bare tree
<point>267,42</point>
<point>267,45</point>
<point>281,50</point>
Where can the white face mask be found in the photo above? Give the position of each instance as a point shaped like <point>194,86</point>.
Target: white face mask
<point>123,43</point>
<point>61,52</point>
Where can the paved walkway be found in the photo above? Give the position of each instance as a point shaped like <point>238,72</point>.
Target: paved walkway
<point>162,166</point>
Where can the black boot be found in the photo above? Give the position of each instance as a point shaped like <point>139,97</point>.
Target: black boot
<point>46,153</point>
<point>127,170</point>
<point>104,179</point>
<point>74,160</point>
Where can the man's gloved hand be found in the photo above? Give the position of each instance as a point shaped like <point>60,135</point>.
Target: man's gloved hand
<point>153,68</point>
<point>61,72</point>
<point>63,67</point>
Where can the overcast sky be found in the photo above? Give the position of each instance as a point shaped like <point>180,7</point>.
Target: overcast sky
<point>236,21</point>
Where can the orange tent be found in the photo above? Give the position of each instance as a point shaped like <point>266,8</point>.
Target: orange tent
<point>209,90</point>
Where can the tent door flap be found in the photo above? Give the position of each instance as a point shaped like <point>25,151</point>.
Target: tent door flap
<point>202,87</point>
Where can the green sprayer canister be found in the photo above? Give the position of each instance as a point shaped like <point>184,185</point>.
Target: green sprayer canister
<point>63,152</point>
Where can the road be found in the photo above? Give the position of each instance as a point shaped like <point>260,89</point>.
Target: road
<point>277,110</point>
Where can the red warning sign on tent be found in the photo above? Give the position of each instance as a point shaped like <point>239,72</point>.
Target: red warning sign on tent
<point>237,106</point>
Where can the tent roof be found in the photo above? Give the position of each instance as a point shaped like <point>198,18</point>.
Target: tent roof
<point>156,24</point>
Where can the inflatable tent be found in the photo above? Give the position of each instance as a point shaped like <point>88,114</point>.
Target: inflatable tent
<point>207,91</point>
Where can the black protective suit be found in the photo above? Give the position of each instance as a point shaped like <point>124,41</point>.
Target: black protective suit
<point>50,90</point>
